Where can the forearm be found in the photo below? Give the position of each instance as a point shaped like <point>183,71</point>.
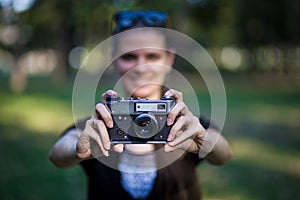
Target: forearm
<point>219,150</point>
<point>63,154</point>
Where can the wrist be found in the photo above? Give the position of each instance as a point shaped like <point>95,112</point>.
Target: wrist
<point>206,144</point>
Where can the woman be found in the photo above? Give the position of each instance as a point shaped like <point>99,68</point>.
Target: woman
<point>141,76</point>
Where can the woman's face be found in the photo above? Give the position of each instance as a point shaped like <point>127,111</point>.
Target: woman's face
<point>143,71</point>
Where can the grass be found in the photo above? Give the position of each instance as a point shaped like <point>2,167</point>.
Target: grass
<point>30,123</point>
<point>262,127</point>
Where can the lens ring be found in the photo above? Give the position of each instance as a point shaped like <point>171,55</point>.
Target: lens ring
<point>145,126</point>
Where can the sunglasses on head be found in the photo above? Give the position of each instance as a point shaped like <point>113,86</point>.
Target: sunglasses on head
<point>128,19</point>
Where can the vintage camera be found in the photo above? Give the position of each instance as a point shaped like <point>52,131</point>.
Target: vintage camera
<point>139,120</point>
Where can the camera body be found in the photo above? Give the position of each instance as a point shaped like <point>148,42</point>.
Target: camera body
<point>139,121</point>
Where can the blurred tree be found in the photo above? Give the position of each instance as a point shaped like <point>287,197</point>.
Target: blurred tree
<point>269,22</point>
<point>64,24</point>
<point>213,22</point>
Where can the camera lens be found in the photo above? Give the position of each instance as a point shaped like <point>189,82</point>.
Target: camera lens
<point>145,126</point>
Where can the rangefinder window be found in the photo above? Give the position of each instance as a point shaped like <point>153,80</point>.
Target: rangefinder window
<point>150,107</point>
<point>161,107</point>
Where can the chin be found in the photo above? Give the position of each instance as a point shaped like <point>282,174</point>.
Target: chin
<point>141,93</point>
<point>150,90</point>
<point>145,91</point>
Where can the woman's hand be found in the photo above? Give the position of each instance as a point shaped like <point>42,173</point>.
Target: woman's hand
<point>187,133</point>
<point>94,140</point>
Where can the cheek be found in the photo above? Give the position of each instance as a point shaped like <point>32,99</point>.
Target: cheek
<point>161,69</point>
<point>123,67</point>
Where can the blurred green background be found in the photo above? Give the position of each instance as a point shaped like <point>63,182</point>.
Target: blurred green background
<point>255,44</point>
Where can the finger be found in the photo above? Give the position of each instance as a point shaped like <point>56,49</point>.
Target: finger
<point>83,144</point>
<point>94,149</point>
<point>103,134</point>
<point>176,129</point>
<point>102,112</point>
<point>174,93</point>
<point>83,150</point>
<point>108,93</point>
<point>187,134</point>
<point>118,148</point>
<point>194,128</point>
<point>179,108</point>
<point>171,137</point>
<point>168,148</point>
<point>90,133</point>
<point>184,146</point>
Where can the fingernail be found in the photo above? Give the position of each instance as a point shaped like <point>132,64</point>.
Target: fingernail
<point>169,121</point>
<point>106,153</point>
<point>167,149</point>
<point>170,137</point>
<point>107,145</point>
<point>119,149</point>
<point>110,124</point>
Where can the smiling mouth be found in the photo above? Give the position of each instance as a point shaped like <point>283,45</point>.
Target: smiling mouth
<point>140,83</point>
<point>139,79</point>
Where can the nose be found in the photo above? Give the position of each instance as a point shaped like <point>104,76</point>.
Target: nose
<point>141,64</point>
<point>141,61</point>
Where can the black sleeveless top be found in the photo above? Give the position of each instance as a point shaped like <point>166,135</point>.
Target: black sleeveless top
<point>177,181</point>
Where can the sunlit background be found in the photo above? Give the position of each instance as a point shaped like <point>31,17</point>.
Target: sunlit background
<point>255,44</point>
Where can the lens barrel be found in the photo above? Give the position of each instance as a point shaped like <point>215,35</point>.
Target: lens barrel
<point>145,126</point>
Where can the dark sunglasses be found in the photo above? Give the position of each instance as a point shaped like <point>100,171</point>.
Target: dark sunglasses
<point>128,19</point>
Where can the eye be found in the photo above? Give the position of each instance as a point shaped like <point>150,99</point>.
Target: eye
<point>153,56</point>
<point>128,57</point>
